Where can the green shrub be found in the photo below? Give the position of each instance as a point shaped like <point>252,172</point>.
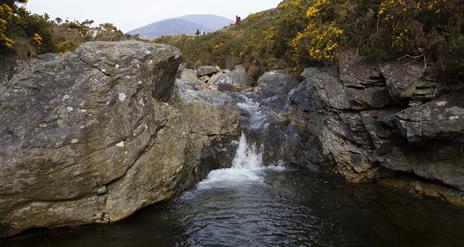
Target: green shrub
<point>302,33</point>
<point>25,34</point>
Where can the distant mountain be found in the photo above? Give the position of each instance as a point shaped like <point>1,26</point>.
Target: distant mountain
<point>182,25</point>
<point>213,22</point>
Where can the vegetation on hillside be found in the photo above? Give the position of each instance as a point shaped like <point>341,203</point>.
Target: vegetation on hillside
<point>301,33</point>
<point>25,34</point>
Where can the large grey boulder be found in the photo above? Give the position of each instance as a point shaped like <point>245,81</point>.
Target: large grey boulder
<point>442,118</point>
<point>341,95</point>
<point>188,78</point>
<point>94,135</point>
<point>276,82</point>
<point>406,81</point>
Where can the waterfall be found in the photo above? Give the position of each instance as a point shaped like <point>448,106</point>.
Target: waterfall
<point>246,168</point>
<point>248,156</point>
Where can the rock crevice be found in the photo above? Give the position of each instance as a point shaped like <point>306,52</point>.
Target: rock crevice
<point>395,129</point>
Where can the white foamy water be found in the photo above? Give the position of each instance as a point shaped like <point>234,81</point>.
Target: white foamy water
<point>257,117</point>
<point>247,167</point>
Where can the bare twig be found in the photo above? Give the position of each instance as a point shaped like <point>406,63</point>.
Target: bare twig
<point>409,56</point>
<point>413,57</point>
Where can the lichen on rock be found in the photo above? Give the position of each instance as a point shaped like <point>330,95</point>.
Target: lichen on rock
<point>110,155</point>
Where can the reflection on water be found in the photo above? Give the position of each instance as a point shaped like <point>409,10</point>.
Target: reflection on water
<point>287,208</point>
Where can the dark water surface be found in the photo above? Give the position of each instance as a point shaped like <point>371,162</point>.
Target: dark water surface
<point>276,208</point>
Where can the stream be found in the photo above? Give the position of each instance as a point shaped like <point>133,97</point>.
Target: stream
<point>257,204</point>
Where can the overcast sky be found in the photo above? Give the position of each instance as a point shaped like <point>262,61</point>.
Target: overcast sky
<point>131,14</point>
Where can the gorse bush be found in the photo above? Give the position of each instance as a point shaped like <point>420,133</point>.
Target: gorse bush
<point>25,34</point>
<point>432,30</point>
<point>9,12</point>
<point>297,34</point>
<point>302,33</point>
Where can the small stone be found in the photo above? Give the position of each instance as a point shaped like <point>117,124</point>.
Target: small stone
<point>74,141</point>
<point>102,190</point>
<point>70,109</point>
<point>122,97</point>
<point>120,145</point>
<point>441,103</point>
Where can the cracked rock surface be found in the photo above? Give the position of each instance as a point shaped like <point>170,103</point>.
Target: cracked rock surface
<point>386,121</point>
<point>94,135</point>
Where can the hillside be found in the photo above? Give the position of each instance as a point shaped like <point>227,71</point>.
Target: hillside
<point>301,33</point>
<point>188,25</point>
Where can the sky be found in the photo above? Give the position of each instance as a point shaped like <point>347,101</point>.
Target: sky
<point>130,14</point>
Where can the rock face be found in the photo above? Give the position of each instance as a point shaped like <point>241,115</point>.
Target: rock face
<point>93,136</point>
<point>378,121</point>
<point>276,82</point>
<point>440,119</point>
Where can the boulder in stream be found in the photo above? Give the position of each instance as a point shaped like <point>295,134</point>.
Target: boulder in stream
<point>94,135</point>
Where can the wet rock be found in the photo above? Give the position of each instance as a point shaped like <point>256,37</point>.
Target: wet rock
<point>364,136</point>
<point>428,189</point>
<point>93,136</point>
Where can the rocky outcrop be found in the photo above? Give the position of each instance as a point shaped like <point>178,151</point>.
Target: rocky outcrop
<point>384,121</point>
<point>210,77</point>
<point>440,119</point>
<point>238,77</point>
<point>93,136</point>
<point>207,71</point>
<point>370,121</point>
<point>276,82</point>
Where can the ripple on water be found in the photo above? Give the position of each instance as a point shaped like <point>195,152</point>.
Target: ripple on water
<point>252,205</point>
